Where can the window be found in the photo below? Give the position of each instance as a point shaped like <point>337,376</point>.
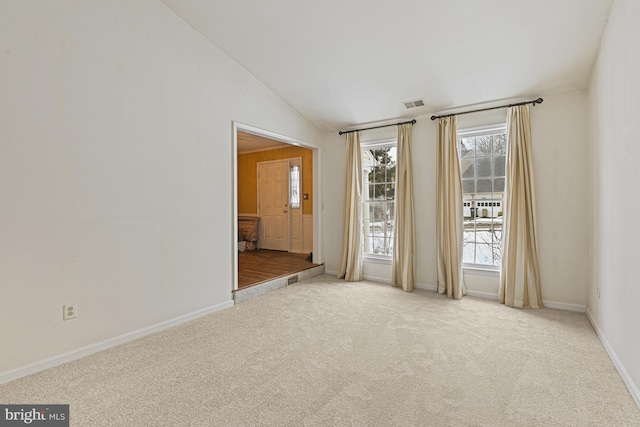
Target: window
<point>294,179</point>
<point>378,194</point>
<point>482,165</point>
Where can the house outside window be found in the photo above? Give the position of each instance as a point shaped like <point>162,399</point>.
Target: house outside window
<point>378,194</point>
<point>482,166</point>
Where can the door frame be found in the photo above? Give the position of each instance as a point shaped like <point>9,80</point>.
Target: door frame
<point>317,187</point>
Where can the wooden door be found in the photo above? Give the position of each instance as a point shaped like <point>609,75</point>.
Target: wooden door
<point>273,197</point>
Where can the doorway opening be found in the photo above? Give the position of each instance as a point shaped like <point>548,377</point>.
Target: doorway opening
<point>276,206</point>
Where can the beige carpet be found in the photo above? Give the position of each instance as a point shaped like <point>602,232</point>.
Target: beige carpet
<point>325,352</point>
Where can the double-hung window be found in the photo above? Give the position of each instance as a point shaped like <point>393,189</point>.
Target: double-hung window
<point>482,166</point>
<point>378,198</point>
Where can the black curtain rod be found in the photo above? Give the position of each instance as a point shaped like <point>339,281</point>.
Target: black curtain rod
<point>413,122</point>
<point>534,102</point>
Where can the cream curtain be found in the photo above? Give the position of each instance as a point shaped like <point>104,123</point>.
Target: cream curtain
<point>403,268</point>
<point>449,216</point>
<point>520,276</point>
<point>351,260</point>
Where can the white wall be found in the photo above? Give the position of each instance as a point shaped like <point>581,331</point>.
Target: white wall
<point>560,150</point>
<point>614,102</point>
<point>115,170</point>
<point>561,167</point>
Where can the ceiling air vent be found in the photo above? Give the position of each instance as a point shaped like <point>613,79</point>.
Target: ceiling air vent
<point>414,104</point>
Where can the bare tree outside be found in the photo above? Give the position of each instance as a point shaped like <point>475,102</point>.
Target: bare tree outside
<point>379,206</point>
<point>482,164</point>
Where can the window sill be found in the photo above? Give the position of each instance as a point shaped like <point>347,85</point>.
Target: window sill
<point>376,259</point>
<point>481,271</point>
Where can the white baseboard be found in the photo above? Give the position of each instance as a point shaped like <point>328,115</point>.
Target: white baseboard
<point>482,294</point>
<point>626,378</point>
<point>426,287</point>
<point>479,294</point>
<point>376,279</point>
<point>494,296</point>
<point>471,293</point>
<point>565,306</point>
<point>364,277</point>
<point>108,343</point>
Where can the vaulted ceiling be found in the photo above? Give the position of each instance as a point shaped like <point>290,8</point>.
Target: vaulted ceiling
<point>346,62</point>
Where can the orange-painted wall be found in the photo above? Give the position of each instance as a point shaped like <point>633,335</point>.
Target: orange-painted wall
<point>248,176</point>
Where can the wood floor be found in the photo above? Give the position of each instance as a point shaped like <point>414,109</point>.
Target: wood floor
<point>261,265</point>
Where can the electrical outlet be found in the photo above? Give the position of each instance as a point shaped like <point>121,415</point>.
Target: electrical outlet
<point>69,311</point>
<point>291,280</point>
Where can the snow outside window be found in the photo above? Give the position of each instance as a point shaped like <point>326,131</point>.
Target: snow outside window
<point>483,155</point>
<point>378,194</point>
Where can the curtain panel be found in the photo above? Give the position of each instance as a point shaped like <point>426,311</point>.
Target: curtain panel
<point>449,213</point>
<point>351,259</point>
<point>520,275</point>
<point>403,266</point>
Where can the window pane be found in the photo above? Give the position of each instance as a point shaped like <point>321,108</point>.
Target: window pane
<point>484,234</point>
<point>366,228</point>
<point>367,241</point>
<point>376,211</point>
<point>499,167</point>
<point>466,168</point>
<point>469,235</point>
<point>390,192</point>
<point>393,155</point>
<point>390,174</point>
<point>369,191</point>
<point>484,254</point>
<point>484,186</point>
<point>380,191</point>
<point>391,209</point>
<point>468,186</point>
<point>497,255</point>
<point>498,185</point>
<point>468,253</point>
<point>483,146</point>
<point>370,176</point>
<point>467,147</point>
<point>500,144</point>
<point>483,167</point>
<point>294,179</point>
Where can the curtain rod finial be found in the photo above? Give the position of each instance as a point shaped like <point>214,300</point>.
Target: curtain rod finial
<point>538,101</point>
<point>433,117</point>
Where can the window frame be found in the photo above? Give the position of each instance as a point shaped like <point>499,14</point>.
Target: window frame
<point>368,146</point>
<point>485,269</point>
